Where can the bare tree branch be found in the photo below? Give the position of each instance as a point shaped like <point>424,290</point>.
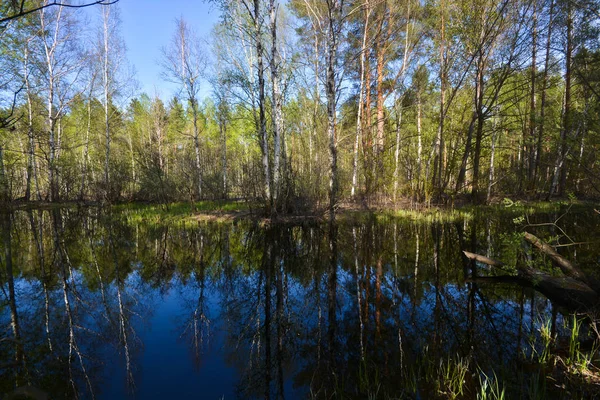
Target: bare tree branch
<point>22,12</point>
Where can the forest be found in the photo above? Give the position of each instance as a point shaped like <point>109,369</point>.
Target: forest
<point>310,103</point>
<point>340,199</point>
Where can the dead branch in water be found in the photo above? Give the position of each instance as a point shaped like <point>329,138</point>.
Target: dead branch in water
<point>574,290</point>
<point>567,267</point>
<point>483,259</point>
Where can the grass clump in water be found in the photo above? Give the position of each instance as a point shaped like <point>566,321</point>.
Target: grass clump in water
<point>489,387</point>
<point>180,214</point>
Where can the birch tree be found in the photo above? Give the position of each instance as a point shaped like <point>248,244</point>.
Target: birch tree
<point>276,100</point>
<point>111,51</point>
<point>184,63</point>
<point>334,25</point>
<point>61,63</point>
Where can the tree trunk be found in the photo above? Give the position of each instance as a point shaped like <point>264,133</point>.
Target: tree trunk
<point>397,150</point>
<point>559,179</point>
<point>223,132</point>
<point>367,130</point>
<point>491,174</point>
<point>4,190</point>
<point>106,82</point>
<point>439,140</point>
<point>540,136</point>
<point>52,178</point>
<point>30,136</point>
<point>261,103</point>
<point>359,121</point>
<point>276,103</point>
<point>532,101</point>
<point>479,132</point>
<point>86,149</point>
<point>332,44</point>
<point>197,148</point>
<point>462,173</point>
<point>419,144</point>
<point>380,49</point>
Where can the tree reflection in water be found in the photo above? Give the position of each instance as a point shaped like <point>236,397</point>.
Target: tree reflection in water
<point>350,310</point>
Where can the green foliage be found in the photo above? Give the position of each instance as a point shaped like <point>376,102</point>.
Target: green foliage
<point>153,156</point>
<point>490,388</point>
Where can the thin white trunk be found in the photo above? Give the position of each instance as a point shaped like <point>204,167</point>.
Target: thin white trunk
<point>399,121</point>
<point>197,147</point>
<point>30,136</point>
<point>491,177</point>
<point>107,87</point>
<point>50,61</point>
<point>397,152</point>
<point>360,101</point>
<point>223,128</point>
<point>419,143</point>
<point>358,296</point>
<point>276,101</point>
<point>86,147</point>
<point>261,100</point>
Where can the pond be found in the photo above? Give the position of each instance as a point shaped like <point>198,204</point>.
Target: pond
<point>97,306</point>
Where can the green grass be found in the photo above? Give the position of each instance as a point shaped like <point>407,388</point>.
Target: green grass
<point>182,214</point>
<point>489,388</point>
<point>533,207</point>
<point>507,208</point>
<point>432,215</point>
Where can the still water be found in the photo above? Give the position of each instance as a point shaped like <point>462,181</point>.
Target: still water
<point>94,306</point>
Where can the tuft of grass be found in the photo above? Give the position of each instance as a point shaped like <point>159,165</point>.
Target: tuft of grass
<point>489,387</point>
<point>452,374</point>
<point>537,386</point>
<point>546,336</point>
<point>578,361</point>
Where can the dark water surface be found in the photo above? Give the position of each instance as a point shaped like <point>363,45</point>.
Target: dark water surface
<point>93,306</point>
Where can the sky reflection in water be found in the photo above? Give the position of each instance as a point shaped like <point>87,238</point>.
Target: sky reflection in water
<point>110,310</point>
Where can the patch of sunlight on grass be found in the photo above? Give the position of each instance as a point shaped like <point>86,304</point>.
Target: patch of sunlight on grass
<point>433,215</point>
<point>181,214</point>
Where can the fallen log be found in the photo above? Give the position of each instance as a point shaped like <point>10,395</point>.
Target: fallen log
<point>483,259</point>
<point>565,291</point>
<point>567,267</point>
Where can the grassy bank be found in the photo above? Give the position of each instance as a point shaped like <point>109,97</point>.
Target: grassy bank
<point>185,213</point>
<point>223,211</point>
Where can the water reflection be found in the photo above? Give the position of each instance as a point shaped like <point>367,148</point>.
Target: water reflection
<point>95,307</point>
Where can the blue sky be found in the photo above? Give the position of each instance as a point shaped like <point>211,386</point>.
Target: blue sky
<point>148,25</point>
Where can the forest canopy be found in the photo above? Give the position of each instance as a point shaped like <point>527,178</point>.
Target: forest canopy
<point>311,103</point>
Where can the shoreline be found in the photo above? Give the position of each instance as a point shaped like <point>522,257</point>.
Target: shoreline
<point>223,211</point>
